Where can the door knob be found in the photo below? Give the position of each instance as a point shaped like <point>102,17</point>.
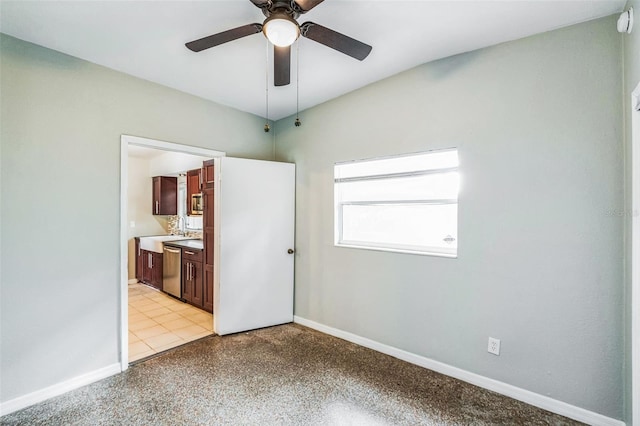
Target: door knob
<point>290,251</point>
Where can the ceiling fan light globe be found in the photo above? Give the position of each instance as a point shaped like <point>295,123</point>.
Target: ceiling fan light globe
<point>281,32</point>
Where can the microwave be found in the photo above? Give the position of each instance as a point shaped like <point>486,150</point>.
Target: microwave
<point>196,204</point>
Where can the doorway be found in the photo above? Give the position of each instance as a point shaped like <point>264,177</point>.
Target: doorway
<point>149,300</point>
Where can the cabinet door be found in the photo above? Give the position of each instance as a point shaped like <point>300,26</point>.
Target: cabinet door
<point>187,285</point>
<point>194,186</point>
<point>207,167</point>
<point>165,195</point>
<point>156,266</point>
<point>139,261</point>
<point>208,234</point>
<point>207,225</point>
<point>147,269</point>
<point>196,277</point>
<point>155,208</point>
<point>207,289</point>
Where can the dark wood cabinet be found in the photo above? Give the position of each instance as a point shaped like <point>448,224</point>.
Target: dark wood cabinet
<point>196,279</point>
<point>148,267</point>
<point>192,277</point>
<point>208,232</point>
<point>165,195</point>
<point>139,260</point>
<point>187,284</point>
<point>194,186</point>
<point>156,269</point>
<point>207,225</point>
<point>208,169</point>
<point>207,289</point>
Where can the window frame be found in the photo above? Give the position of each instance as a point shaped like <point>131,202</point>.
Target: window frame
<point>387,247</point>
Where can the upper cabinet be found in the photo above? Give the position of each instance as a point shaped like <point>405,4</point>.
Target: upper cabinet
<point>208,177</point>
<point>165,195</point>
<point>194,192</point>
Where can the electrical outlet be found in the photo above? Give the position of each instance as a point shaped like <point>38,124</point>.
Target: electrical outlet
<point>494,346</point>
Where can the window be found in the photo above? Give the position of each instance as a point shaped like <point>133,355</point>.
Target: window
<point>405,204</point>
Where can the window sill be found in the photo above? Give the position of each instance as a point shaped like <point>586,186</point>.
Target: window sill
<point>393,250</point>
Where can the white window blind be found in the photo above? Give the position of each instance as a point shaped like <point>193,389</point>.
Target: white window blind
<point>407,203</point>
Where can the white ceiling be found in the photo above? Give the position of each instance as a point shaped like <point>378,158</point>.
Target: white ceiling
<point>146,39</point>
<point>143,152</point>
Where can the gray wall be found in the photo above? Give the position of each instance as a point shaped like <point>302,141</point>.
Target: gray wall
<point>61,124</point>
<point>538,126</point>
<point>632,78</point>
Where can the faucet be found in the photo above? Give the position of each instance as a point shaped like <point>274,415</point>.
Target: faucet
<point>182,229</point>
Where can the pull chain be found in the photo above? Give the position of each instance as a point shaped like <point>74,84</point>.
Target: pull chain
<point>266,126</point>
<point>298,123</point>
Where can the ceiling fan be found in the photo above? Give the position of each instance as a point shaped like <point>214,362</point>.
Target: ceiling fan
<point>282,29</point>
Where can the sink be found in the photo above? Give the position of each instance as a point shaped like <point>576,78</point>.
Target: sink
<point>155,243</point>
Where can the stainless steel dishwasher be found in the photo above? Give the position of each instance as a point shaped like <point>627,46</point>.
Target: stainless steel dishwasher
<point>171,268</point>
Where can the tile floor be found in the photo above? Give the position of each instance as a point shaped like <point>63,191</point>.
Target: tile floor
<point>158,322</point>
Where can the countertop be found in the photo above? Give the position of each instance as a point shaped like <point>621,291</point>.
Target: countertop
<point>192,244</point>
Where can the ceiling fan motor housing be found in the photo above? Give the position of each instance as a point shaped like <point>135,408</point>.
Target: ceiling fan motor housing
<point>282,7</point>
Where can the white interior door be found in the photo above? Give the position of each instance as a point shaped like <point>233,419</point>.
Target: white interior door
<point>253,269</point>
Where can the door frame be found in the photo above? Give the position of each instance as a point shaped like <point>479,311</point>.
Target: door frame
<point>125,141</point>
<point>635,255</point>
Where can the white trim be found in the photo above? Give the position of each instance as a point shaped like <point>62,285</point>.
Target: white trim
<point>635,256</point>
<point>514,392</point>
<point>132,281</point>
<point>125,141</point>
<point>354,245</point>
<point>217,182</point>
<point>390,157</point>
<point>170,146</point>
<point>397,175</point>
<point>27,400</point>
<point>124,254</point>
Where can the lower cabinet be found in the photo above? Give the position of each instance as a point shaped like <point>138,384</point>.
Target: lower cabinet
<point>192,282</point>
<point>194,289</point>
<point>207,289</point>
<point>156,266</point>
<point>139,260</point>
<point>148,267</point>
<point>197,282</point>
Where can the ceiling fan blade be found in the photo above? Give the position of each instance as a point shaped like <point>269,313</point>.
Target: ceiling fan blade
<point>223,37</point>
<point>340,42</point>
<point>281,65</point>
<point>306,5</point>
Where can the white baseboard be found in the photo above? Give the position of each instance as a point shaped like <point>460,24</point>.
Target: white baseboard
<point>132,281</point>
<point>514,392</point>
<point>58,389</point>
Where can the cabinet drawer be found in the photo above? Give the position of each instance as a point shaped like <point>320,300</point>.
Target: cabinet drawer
<point>192,255</point>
